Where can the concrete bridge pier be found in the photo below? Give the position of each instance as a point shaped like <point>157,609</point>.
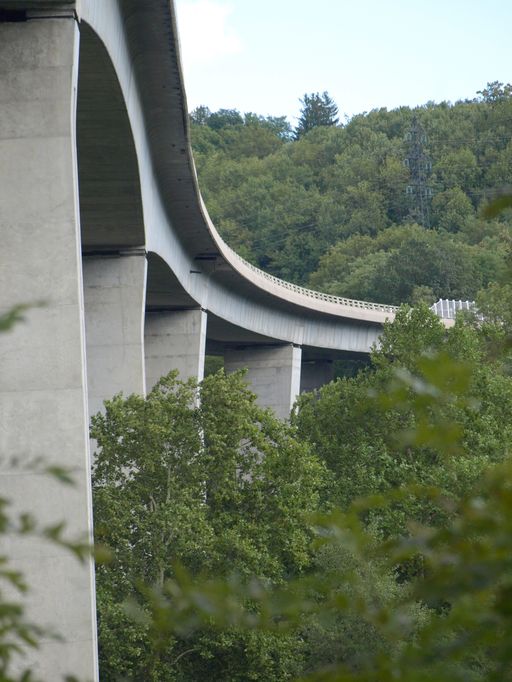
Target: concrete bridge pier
<point>175,339</point>
<point>43,392</point>
<point>273,374</point>
<point>115,295</point>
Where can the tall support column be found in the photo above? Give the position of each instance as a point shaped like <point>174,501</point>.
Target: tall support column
<point>43,396</point>
<point>115,295</point>
<point>175,340</point>
<point>273,374</point>
<point>315,374</point>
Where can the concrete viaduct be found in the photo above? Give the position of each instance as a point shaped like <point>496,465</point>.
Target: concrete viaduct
<point>101,218</point>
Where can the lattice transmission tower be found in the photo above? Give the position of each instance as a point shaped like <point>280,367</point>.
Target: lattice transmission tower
<point>420,167</point>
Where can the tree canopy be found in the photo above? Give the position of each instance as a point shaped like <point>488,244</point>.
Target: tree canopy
<point>410,575</point>
<point>210,488</point>
<point>211,511</point>
<point>317,110</point>
<point>294,206</point>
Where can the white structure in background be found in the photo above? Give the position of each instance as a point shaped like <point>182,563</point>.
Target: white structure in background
<point>447,309</point>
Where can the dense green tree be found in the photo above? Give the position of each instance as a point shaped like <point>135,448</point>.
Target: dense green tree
<point>216,488</point>
<point>397,585</point>
<point>257,141</point>
<point>451,209</point>
<point>224,118</point>
<point>200,115</point>
<point>317,110</point>
<point>279,125</point>
<point>350,432</point>
<point>413,580</point>
<point>457,169</point>
<point>390,267</point>
<point>495,92</point>
<point>286,203</point>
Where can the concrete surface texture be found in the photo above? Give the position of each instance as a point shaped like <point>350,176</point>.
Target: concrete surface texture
<point>273,373</point>
<point>175,340</point>
<point>43,393</point>
<point>114,297</point>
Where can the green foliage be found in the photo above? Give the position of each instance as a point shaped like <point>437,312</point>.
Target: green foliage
<point>438,420</point>
<point>354,435</point>
<point>214,487</point>
<point>224,118</point>
<point>413,580</point>
<point>212,364</point>
<point>317,110</point>
<point>290,206</point>
<point>500,204</point>
<point>15,315</point>
<point>495,92</point>
<point>451,622</point>
<point>451,209</point>
<point>464,563</point>
<point>18,634</point>
<point>392,266</point>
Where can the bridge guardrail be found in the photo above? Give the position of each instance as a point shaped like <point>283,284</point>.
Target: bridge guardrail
<point>310,293</point>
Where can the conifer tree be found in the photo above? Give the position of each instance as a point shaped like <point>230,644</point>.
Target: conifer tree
<point>317,110</point>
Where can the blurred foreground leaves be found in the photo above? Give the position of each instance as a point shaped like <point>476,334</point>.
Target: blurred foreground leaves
<point>18,633</point>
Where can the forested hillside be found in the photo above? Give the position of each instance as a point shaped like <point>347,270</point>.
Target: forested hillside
<point>329,206</point>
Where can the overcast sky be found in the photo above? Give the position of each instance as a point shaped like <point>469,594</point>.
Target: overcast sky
<point>263,55</point>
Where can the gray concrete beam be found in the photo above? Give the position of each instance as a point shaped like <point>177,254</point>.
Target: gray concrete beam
<point>273,374</point>
<point>115,295</point>
<point>175,340</point>
<point>43,396</point>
